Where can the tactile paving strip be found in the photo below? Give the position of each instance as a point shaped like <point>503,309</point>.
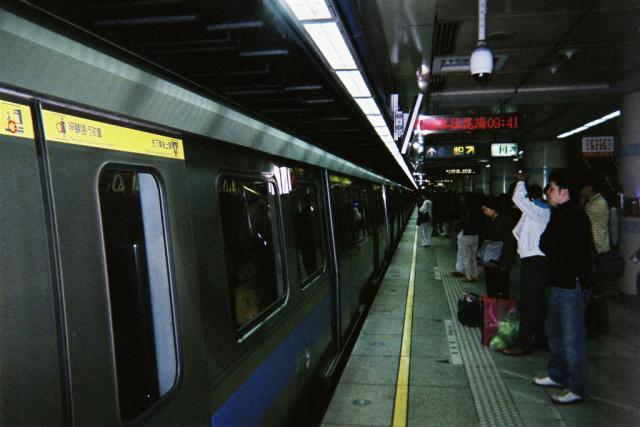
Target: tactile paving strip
<point>490,394</point>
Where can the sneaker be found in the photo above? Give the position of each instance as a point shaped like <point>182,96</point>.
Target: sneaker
<point>457,274</point>
<point>545,382</point>
<point>566,396</point>
<point>468,280</point>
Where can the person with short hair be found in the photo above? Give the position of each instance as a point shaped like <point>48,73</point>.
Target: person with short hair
<point>499,230</point>
<point>566,242</point>
<point>597,209</point>
<point>533,266</point>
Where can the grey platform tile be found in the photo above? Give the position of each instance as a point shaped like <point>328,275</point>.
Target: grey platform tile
<point>373,370</point>
<point>390,300</point>
<point>356,404</point>
<point>388,312</point>
<point>538,413</point>
<point>429,346</point>
<point>441,406</point>
<point>377,345</point>
<point>382,326</point>
<point>428,326</point>
<point>432,371</point>
<point>523,391</point>
<point>429,312</point>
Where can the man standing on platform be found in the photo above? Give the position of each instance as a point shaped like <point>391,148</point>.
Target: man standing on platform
<point>567,243</point>
<point>598,211</point>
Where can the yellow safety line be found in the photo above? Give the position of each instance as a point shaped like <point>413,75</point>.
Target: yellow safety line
<point>400,406</point>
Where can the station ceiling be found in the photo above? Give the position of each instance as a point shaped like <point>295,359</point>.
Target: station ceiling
<point>560,63</point>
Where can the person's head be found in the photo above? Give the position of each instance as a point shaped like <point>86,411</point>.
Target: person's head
<point>563,186</point>
<point>591,185</point>
<point>534,191</point>
<point>247,274</point>
<point>490,206</point>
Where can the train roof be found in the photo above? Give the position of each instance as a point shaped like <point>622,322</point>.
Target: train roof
<point>40,60</point>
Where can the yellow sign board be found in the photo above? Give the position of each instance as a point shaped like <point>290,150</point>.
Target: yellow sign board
<point>68,129</point>
<point>16,120</point>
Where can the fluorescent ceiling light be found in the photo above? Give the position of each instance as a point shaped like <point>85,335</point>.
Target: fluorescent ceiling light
<point>329,40</point>
<point>309,9</point>
<point>368,105</point>
<point>590,124</point>
<point>377,121</point>
<point>354,83</point>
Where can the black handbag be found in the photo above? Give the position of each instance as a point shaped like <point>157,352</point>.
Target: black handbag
<point>470,309</point>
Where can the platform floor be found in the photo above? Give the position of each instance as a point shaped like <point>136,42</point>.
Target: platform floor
<point>414,364</point>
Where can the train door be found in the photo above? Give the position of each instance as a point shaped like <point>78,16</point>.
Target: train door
<point>31,370</point>
<point>125,250</point>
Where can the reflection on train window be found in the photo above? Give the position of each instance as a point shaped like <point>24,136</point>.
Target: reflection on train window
<point>139,288</point>
<point>249,219</point>
<point>360,209</point>
<point>307,229</point>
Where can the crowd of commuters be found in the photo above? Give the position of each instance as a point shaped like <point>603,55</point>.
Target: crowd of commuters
<point>559,235</point>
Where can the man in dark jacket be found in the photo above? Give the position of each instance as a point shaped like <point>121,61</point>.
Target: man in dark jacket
<point>567,244</point>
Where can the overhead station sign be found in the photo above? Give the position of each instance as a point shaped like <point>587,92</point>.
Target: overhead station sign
<point>598,146</point>
<point>449,151</point>
<point>504,149</point>
<point>444,124</point>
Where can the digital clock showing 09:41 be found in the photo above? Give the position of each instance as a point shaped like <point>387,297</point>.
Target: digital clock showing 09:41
<point>439,124</point>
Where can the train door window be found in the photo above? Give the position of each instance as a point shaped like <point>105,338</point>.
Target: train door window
<point>252,247</point>
<point>138,267</point>
<point>307,228</point>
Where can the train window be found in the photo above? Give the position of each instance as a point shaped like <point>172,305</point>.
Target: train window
<point>140,299</point>
<point>249,231</point>
<point>307,229</point>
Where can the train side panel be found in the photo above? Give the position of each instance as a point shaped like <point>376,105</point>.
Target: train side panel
<point>31,366</point>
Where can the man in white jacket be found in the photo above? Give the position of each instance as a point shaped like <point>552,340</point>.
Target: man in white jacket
<point>534,219</point>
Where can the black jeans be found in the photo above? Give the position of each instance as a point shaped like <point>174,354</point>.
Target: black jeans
<point>532,305</point>
<point>497,281</point>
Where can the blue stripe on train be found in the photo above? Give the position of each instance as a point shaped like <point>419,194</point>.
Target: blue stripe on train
<point>253,399</point>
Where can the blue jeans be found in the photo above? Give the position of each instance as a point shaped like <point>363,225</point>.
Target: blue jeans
<point>568,338</point>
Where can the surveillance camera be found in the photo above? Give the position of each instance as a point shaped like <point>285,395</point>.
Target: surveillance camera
<point>481,64</point>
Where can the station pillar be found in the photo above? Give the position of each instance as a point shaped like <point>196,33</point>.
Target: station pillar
<point>502,175</point>
<point>630,182</point>
<point>482,179</point>
<point>541,157</point>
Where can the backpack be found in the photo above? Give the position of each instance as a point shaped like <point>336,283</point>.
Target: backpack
<point>470,309</point>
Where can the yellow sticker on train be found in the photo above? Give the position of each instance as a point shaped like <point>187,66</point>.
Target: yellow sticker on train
<point>75,130</point>
<point>16,120</point>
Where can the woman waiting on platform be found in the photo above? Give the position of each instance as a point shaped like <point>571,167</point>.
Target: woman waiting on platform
<point>499,230</point>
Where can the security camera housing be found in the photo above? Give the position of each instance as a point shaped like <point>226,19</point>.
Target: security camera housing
<point>481,64</point>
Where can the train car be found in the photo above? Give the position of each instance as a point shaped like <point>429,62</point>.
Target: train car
<point>168,259</point>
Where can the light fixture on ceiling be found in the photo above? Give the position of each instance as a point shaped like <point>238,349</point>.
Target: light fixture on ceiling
<point>590,124</point>
<point>422,76</point>
<point>326,32</point>
<point>481,62</point>
<point>569,52</point>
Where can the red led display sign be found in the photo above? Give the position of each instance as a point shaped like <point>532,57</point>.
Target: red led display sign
<point>440,124</point>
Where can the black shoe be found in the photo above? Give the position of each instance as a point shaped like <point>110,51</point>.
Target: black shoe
<point>457,274</point>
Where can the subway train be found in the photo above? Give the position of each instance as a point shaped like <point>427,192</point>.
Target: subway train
<point>167,259</point>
